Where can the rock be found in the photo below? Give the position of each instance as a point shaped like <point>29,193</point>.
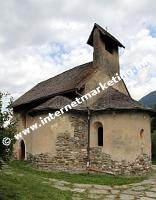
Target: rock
<point>151,194</point>
<point>95,191</point>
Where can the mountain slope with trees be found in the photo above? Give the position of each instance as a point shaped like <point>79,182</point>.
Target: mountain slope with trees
<point>149,99</point>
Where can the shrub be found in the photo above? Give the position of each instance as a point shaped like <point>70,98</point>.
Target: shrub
<point>7,125</point>
<point>154,145</point>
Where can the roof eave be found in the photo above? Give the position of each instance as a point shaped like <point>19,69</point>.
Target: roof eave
<point>46,97</point>
<point>151,112</point>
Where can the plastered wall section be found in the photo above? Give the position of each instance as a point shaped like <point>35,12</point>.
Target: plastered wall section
<point>121,135</point>
<point>43,140</point>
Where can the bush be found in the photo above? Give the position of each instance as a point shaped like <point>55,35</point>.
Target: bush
<point>7,125</point>
<point>153,124</point>
<point>154,145</point>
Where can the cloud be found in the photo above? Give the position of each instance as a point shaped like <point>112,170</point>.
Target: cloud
<point>141,48</point>
<point>39,39</point>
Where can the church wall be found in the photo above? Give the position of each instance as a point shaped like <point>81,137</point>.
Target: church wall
<point>126,143</point>
<point>22,122</point>
<point>122,134</point>
<point>44,138</point>
<point>62,143</point>
<point>94,81</point>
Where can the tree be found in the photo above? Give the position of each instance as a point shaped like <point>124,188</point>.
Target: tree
<point>153,123</point>
<point>153,129</point>
<point>7,125</point>
<point>154,145</point>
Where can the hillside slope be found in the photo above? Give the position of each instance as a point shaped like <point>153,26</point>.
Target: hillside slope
<point>149,99</point>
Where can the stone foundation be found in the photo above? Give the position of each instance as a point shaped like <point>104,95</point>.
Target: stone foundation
<point>73,162</point>
<point>102,162</point>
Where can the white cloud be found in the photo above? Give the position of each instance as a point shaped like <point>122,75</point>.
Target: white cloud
<point>39,39</point>
<point>141,48</point>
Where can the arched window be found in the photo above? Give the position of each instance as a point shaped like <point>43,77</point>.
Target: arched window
<point>100,136</point>
<point>97,134</point>
<point>141,133</point>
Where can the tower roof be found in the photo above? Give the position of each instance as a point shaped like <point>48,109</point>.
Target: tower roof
<point>104,33</point>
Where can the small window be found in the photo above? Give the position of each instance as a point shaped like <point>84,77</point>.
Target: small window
<point>141,133</point>
<point>109,46</point>
<point>23,118</point>
<point>100,136</point>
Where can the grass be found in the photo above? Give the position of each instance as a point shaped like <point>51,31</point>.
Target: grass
<point>28,187</point>
<point>83,178</point>
<point>30,184</point>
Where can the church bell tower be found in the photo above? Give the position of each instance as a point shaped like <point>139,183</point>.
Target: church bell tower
<point>105,50</point>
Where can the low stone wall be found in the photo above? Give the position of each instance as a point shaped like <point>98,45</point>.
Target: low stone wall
<point>74,161</point>
<point>100,161</point>
<point>67,159</point>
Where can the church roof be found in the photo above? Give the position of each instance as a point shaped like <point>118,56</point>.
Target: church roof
<point>65,82</point>
<point>56,103</point>
<point>104,33</point>
<point>111,99</point>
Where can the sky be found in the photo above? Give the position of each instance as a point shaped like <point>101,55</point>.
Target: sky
<point>40,39</point>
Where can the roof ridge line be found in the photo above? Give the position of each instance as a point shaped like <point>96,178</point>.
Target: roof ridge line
<point>65,72</point>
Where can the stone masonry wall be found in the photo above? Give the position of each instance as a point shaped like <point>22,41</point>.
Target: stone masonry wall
<point>71,155</point>
<point>71,152</point>
<point>103,162</point>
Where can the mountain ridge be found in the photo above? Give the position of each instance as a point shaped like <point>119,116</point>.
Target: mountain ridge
<point>149,99</point>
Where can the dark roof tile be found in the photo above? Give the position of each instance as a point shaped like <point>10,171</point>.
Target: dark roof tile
<point>67,81</point>
<point>111,99</point>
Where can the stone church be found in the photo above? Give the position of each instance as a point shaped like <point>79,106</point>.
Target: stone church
<point>109,133</point>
